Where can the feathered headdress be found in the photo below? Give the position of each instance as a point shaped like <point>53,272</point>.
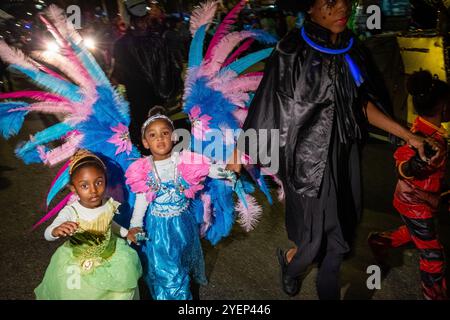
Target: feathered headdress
<point>94,116</point>
<point>217,94</point>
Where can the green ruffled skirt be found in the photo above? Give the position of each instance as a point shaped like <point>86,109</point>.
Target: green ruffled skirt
<point>114,278</point>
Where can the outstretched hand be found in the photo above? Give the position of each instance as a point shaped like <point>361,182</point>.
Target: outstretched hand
<point>419,143</point>
<point>233,163</point>
<point>131,235</point>
<point>235,167</point>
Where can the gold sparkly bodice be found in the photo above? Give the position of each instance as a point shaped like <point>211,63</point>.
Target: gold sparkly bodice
<point>93,242</point>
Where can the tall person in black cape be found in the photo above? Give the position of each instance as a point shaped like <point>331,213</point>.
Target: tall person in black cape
<point>319,91</point>
<point>144,64</point>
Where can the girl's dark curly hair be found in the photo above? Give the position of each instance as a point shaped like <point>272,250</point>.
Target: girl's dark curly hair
<point>295,5</point>
<point>298,5</point>
<point>428,92</point>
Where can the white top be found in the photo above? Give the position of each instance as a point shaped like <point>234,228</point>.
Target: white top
<point>166,168</point>
<point>166,172</point>
<point>67,214</point>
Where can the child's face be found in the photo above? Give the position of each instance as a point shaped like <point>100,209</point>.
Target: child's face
<point>158,139</point>
<point>89,183</point>
<point>331,14</point>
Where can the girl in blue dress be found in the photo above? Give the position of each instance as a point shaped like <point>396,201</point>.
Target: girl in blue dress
<point>165,184</point>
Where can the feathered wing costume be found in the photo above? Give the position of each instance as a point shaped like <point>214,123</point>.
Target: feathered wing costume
<point>95,117</point>
<point>217,94</point>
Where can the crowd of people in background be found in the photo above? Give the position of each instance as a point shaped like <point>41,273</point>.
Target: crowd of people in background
<point>171,27</point>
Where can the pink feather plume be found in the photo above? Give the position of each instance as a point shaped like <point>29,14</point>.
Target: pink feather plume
<point>248,217</point>
<point>14,56</point>
<point>54,211</point>
<point>245,46</point>
<point>72,58</point>
<point>203,14</point>
<point>224,27</point>
<point>64,151</point>
<point>71,70</point>
<point>58,17</point>
<point>243,84</point>
<point>223,48</point>
<point>207,214</point>
<point>48,107</point>
<point>36,95</point>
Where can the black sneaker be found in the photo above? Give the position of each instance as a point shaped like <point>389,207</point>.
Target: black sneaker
<point>436,292</point>
<point>291,286</point>
<point>380,245</point>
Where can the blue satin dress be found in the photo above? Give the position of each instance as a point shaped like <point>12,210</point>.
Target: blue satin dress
<point>172,253</point>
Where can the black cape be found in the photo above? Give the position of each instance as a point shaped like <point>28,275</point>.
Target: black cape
<point>313,99</point>
<point>147,68</point>
<point>303,94</point>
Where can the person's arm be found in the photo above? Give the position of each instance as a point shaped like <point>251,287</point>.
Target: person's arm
<point>63,225</point>
<point>118,229</point>
<point>234,162</point>
<point>137,219</point>
<point>140,207</point>
<point>386,123</point>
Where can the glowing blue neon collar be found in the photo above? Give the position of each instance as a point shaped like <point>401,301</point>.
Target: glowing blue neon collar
<point>324,49</point>
<point>354,70</point>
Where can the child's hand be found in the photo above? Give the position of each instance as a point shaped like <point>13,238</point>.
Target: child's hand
<point>66,229</point>
<point>436,154</point>
<point>236,167</point>
<point>228,175</point>
<point>234,164</point>
<point>419,142</point>
<point>132,234</point>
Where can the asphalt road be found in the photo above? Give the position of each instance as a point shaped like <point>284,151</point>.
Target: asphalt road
<point>242,266</point>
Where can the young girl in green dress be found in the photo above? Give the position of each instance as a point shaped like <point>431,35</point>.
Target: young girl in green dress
<point>93,263</point>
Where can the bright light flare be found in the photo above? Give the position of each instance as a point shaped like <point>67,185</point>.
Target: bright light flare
<point>89,43</point>
<point>52,47</point>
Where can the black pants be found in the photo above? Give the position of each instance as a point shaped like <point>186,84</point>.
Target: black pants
<point>322,243</point>
<point>322,227</point>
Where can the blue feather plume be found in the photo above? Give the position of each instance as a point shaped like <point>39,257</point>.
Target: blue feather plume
<point>264,37</point>
<point>55,85</point>
<point>11,122</point>
<point>220,194</point>
<point>196,48</point>
<point>246,62</point>
<point>28,152</point>
<point>91,65</point>
<point>59,184</point>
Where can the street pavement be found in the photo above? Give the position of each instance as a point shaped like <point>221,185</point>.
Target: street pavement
<point>243,266</point>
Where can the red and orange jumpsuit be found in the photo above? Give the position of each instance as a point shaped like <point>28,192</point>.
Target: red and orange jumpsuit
<point>417,198</point>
